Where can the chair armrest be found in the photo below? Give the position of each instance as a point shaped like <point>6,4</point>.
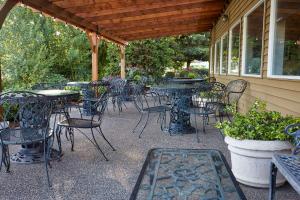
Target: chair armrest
<point>294,131</point>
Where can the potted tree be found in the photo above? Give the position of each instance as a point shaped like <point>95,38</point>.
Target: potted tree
<point>252,139</point>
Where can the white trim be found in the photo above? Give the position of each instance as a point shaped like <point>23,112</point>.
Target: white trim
<point>215,64</point>
<point>271,46</point>
<point>211,66</point>
<point>245,26</point>
<point>230,47</point>
<point>221,54</point>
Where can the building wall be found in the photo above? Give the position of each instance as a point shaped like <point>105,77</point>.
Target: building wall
<point>282,95</point>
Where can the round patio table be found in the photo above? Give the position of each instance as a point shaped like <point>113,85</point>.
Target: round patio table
<point>179,120</point>
<point>33,153</point>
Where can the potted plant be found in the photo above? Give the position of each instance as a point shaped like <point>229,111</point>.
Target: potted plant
<point>252,139</point>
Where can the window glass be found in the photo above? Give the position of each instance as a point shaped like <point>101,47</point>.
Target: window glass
<point>253,40</point>
<point>217,57</point>
<point>224,54</point>
<point>234,54</point>
<point>286,51</point>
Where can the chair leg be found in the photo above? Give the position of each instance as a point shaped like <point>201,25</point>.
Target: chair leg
<point>58,139</point>
<point>138,123</point>
<point>97,145</point>
<point>46,160</point>
<point>197,134</point>
<point>272,186</point>
<point>101,132</point>
<point>204,122</point>
<point>71,135</point>
<point>5,158</point>
<point>144,125</point>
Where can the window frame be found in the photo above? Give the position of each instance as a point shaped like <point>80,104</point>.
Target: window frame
<point>211,60</point>
<point>238,22</point>
<point>245,26</point>
<point>221,54</point>
<point>271,45</point>
<point>215,60</point>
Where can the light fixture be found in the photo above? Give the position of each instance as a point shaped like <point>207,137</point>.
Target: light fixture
<point>224,17</point>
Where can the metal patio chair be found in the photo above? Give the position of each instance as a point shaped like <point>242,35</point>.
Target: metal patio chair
<point>204,104</point>
<point>92,123</point>
<point>234,91</point>
<point>148,102</point>
<point>117,93</point>
<point>288,165</point>
<point>25,121</point>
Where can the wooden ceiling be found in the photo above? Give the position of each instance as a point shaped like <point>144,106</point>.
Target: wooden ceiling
<point>126,20</point>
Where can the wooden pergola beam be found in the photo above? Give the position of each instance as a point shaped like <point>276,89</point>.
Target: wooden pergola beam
<point>167,30</point>
<point>163,34</point>
<point>94,40</point>
<point>161,26</point>
<point>5,7</point>
<point>157,22</point>
<point>141,6</point>
<point>141,18</point>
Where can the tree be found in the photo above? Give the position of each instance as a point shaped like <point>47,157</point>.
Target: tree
<point>192,47</point>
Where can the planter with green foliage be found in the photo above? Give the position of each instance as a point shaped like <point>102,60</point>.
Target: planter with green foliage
<point>252,139</point>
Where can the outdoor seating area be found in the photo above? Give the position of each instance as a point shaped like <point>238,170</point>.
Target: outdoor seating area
<point>150,99</point>
<point>77,124</point>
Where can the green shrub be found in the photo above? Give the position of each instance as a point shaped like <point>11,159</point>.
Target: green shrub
<point>192,75</point>
<point>183,74</point>
<point>170,75</point>
<point>257,124</point>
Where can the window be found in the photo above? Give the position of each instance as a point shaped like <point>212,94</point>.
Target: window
<point>211,60</point>
<point>224,61</point>
<point>284,46</point>
<point>234,50</point>
<point>217,57</point>
<point>252,40</point>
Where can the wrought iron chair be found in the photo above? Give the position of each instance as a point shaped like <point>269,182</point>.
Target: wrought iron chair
<point>117,92</point>
<point>288,165</point>
<point>205,104</point>
<point>147,103</point>
<point>234,91</point>
<point>25,120</point>
<point>94,122</point>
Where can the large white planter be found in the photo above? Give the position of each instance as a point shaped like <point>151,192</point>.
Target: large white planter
<point>251,159</point>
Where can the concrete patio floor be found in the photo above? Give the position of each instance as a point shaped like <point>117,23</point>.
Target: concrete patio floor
<point>84,174</point>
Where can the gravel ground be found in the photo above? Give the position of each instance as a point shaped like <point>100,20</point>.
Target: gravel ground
<point>84,174</point>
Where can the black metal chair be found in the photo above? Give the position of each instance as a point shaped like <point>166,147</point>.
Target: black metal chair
<point>117,92</point>
<point>94,122</point>
<point>25,121</point>
<point>288,165</point>
<point>147,103</point>
<point>204,104</point>
<point>234,91</point>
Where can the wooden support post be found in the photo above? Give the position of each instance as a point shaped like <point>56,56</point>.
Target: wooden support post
<point>94,42</point>
<point>122,56</point>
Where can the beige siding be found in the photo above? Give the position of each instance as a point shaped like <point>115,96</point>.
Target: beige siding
<point>281,95</point>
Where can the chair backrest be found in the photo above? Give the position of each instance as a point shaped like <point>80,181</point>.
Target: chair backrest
<point>217,92</point>
<point>117,86</point>
<point>100,107</point>
<point>294,131</point>
<point>234,90</point>
<point>25,110</point>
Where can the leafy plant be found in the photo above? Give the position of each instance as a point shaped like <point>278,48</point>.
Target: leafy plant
<point>170,75</point>
<point>257,124</point>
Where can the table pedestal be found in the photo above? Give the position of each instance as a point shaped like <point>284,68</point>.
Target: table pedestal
<point>180,122</point>
<point>33,153</point>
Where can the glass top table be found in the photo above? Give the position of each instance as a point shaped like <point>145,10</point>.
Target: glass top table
<point>186,174</point>
<point>57,93</point>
